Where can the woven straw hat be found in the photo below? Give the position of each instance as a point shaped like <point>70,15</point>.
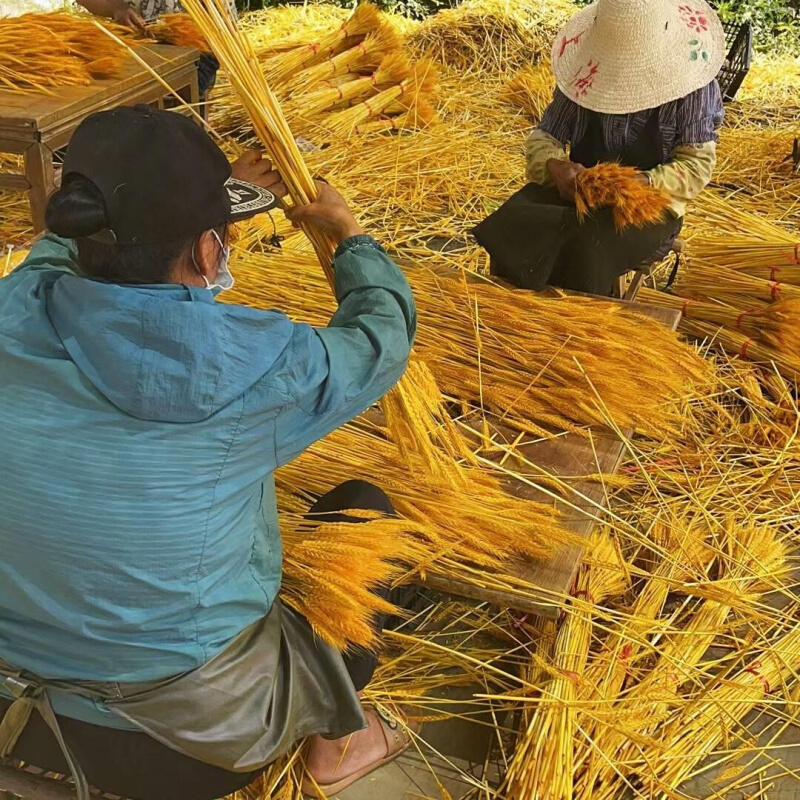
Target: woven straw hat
<point>622,56</point>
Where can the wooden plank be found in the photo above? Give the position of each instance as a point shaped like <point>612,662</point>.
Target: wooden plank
<point>566,456</point>
<point>41,174</point>
<point>34,787</point>
<point>59,134</point>
<point>14,181</point>
<point>40,111</point>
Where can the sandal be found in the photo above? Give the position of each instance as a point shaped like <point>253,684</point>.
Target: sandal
<point>398,741</point>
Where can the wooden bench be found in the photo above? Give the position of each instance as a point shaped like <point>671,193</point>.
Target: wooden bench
<point>627,290</point>
<point>35,125</point>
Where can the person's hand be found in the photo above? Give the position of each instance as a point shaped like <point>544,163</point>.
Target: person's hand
<point>125,15</point>
<point>254,168</point>
<point>563,174</point>
<point>328,213</point>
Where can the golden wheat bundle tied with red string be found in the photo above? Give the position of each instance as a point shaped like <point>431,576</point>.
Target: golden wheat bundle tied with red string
<point>633,202</point>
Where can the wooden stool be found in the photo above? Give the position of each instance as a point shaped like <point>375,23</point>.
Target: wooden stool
<point>35,125</point>
<point>623,291</point>
<point>32,783</point>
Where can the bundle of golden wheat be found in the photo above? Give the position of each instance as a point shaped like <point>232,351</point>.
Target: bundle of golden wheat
<point>531,89</point>
<point>236,55</point>
<point>698,730</point>
<point>776,325</point>
<point>39,51</point>
<point>634,203</point>
<point>179,30</point>
<point>544,361</point>
<point>542,765</point>
<point>364,20</point>
<point>682,555</point>
<point>363,57</point>
<point>393,69</point>
<point>418,86</point>
<point>752,560</point>
<point>732,287</point>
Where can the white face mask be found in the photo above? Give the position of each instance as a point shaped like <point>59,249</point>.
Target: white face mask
<point>224,279</point>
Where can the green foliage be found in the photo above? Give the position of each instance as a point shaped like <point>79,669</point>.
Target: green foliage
<point>776,23</point>
<point>416,9</point>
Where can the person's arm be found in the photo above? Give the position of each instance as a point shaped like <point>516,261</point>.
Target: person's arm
<point>539,149</point>
<point>118,10</point>
<point>330,375</point>
<point>686,174</point>
<point>691,163</point>
<point>549,140</point>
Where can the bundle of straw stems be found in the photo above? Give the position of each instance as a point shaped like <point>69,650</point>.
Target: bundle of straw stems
<point>683,554</point>
<point>732,287</point>
<point>236,56</point>
<point>393,69</point>
<point>542,766</point>
<point>741,345</point>
<point>545,363</point>
<point>776,325</point>
<point>40,51</point>
<point>491,36</point>
<point>705,723</point>
<point>419,115</point>
<point>632,202</point>
<point>364,20</point>
<point>420,84</point>
<point>752,560</point>
<point>365,56</point>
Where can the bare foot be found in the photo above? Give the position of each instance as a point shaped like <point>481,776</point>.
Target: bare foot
<point>332,760</point>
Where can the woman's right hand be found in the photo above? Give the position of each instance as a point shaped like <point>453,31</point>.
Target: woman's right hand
<point>125,15</point>
<point>329,213</point>
<point>563,174</point>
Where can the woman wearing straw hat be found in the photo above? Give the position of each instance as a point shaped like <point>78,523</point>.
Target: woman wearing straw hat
<point>636,84</point>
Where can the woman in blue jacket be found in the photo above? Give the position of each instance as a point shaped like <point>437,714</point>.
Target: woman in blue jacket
<point>143,422</point>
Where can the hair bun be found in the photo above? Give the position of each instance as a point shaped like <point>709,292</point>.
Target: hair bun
<point>76,210</point>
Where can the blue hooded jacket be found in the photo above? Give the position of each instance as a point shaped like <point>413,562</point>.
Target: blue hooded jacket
<point>141,427</point>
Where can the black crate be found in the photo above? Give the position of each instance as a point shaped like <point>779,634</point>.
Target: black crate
<point>739,41</point>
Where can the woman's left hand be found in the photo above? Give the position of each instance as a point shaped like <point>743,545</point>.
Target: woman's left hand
<point>254,168</point>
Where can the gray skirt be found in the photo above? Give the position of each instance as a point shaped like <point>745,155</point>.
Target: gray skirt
<point>275,684</point>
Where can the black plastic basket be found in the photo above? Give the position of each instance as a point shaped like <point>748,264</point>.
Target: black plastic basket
<point>739,41</point>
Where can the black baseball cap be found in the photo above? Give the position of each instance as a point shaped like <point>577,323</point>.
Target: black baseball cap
<point>160,174</point>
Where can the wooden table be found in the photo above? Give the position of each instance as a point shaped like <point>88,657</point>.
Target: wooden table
<point>566,456</point>
<point>36,124</point>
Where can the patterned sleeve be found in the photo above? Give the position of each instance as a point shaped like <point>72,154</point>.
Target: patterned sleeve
<point>686,174</point>
<point>539,149</point>
<point>699,115</point>
<point>560,118</point>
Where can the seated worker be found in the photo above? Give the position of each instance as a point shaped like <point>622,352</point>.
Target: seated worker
<point>134,14</point>
<point>636,84</point>
<point>138,524</point>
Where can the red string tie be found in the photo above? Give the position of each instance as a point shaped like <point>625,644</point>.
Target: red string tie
<point>753,670</point>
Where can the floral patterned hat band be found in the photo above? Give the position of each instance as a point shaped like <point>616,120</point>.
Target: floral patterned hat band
<point>623,56</point>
